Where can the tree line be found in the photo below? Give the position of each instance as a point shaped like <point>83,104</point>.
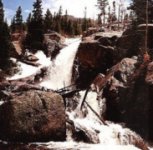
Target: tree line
<point>111,13</point>
<point>37,24</point>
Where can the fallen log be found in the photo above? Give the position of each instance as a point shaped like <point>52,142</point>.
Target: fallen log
<point>30,63</point>
<point>69,93</point>
<point>85,96</point>
<point>97,115</point>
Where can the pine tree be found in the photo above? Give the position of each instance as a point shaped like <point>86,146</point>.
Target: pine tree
<point>29,19</point>
<point>13,25</point>
<point>109,15</point>
<point>48,21</point>
<point>59,20</point>
<point>138,7</point>
<point>17,22</point>
<point>60,12</point>
<point>1,12</point>
<point>71,28</point>
<point>102,4</point>
<point>114,18</point>
<point>77,28</point>
<point>34,39</point>
<point>18,17</point>
<point>58,27</point>
<point>65,22</point>
<point>5,42</point>
<point>37,11</point>
<point>84,23</point>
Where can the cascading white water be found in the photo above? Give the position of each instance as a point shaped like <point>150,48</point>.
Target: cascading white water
<point>60,71</point>
<point>107,135</point>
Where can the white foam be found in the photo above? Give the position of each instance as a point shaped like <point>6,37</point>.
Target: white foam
<point>43,60</point>
<point>26,70</point>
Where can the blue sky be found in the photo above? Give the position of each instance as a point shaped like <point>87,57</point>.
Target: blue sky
<point>74,7</point>
<point>11,6</point>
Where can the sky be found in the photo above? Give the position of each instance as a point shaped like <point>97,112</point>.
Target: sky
<point>74,7</point>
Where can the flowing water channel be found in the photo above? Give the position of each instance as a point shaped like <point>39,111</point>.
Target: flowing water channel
<point>106,137</point>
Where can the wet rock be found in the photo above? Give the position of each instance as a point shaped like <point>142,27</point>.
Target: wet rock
<point>126,94</point>
<point>116,76</point>
<point>20,146</point>
<point>108,41</point>
<point>95,56</point>
<point>33,116</point>
<point>32,63</point>
<point>53,48</point>
<point>128,90</point>
<point>53,43</point>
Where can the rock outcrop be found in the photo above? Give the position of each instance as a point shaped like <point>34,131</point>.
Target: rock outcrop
<point>53,43</point>
<point>128,88</point>
<point>33,116</point>
<point>53,48</point>
<point>96,54</point>
<point>132,42</point>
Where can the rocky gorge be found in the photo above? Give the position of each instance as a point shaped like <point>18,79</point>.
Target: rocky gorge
<point>118,96</point>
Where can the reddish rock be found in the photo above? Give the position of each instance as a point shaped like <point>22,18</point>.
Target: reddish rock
<point>33,116</point>
<point>149,76</point>
<point>93,55</point>
<point>128,90</point>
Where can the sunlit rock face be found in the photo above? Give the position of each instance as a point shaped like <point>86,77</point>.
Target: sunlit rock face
<point>33,116</point>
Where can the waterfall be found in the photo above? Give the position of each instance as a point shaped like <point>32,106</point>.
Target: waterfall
<point>60,70</point>
<point>110,136</point>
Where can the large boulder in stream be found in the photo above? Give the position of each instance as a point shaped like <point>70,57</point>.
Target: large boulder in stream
<point>33,116</point>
